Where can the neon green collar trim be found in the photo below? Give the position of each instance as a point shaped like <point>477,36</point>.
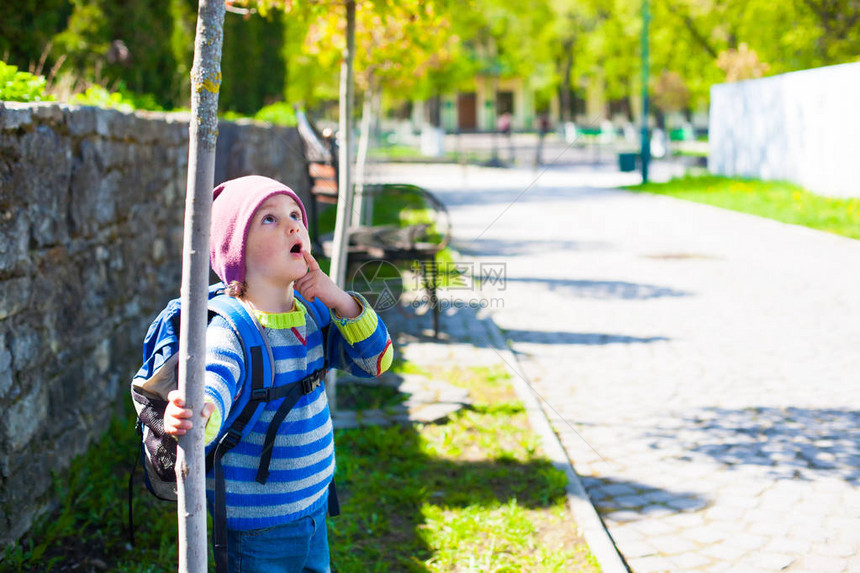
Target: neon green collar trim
<point>282,320</point>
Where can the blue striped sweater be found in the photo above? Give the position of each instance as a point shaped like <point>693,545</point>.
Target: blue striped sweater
<point>303,458</point>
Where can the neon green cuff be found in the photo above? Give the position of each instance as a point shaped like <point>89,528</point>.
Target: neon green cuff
<point>386,359</point>
<point>361,327</point>
<point>213,424</point>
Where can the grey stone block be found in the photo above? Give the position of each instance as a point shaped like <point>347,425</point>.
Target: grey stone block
<point>15,233</point>
<point>15,115</point>
<point>48,112</point>
<point>618,490</point>
<point>165,129</point>
<point>629,501</point>
<point>14,296</point>
<point>81,121</point>
<point>119,125</point>
<point>93,191</point>
<point>24,417</point>
<point>432,413</point>
<point>687,504</point>
<point>5,367</point>
<point>45,184</point>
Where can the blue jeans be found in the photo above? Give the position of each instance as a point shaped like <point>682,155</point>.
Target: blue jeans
<point>297,547</point>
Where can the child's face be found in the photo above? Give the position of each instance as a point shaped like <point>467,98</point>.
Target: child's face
<point>276,238</point>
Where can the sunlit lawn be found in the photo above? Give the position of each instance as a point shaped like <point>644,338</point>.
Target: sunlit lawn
<point>474,494</point>
<point>777,200</point>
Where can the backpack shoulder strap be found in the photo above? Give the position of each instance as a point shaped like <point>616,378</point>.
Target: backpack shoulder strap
<point>259,362</point>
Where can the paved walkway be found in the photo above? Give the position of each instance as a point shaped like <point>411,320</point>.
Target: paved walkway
<point>700,366</point>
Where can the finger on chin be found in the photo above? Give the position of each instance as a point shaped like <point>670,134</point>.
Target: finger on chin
<point>306,293</point>
<point>310,260</point>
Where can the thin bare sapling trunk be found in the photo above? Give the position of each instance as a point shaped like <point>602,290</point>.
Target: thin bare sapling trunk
<point>203,133</point>
<point>359,215</point>
<point>345,188</point>
<point>340,241</point>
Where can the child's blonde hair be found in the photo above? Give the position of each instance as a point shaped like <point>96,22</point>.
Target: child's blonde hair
<point>236,289</point>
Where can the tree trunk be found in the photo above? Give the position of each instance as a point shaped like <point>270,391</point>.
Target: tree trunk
<point>699,36</point>
<point>359,215</point>
<point>567,63</point>
<point>340,241</point>
<point>203,133</point>
<point>345,190</point>
<point>645,148</point>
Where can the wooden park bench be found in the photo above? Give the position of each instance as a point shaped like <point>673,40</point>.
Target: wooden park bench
<point>415,244</point>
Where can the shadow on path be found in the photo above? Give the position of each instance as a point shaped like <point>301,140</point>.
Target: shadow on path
<point>501,248</point>
<point>579,338</point>
<point>613,495</point>
<point>794,443</point>
<point>418,329</point>
<point>603,290</point>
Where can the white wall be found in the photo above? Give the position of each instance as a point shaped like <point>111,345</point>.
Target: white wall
<point>802,127</point>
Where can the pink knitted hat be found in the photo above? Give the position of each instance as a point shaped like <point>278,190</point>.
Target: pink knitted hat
<point>233,206</point>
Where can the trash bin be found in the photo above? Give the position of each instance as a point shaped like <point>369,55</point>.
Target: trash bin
<point>627,161</point>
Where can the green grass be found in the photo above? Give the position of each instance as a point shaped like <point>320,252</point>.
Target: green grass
<point>777,200</point>
<point>691,153</point>
<point>395,152</point>
<point>475,494</point>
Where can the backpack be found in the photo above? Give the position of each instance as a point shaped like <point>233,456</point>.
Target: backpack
<point>159,375</point>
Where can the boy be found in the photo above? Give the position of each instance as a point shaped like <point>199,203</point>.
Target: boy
<point>260,249</point>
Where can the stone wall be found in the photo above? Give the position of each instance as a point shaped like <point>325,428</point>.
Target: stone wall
<point>802,127</point>
<point>91,209</point>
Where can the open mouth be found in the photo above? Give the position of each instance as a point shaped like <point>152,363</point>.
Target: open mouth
<point>296,249</point>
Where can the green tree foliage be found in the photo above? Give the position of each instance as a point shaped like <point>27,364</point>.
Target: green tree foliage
<point>146,47</point>
<point>122,99</point>
<point>107,41</point>
<point>519,31</point>
<point>690,37</point>
<point>27,28</point>
<point>839,24</point>
<point>20,86</point>
<point>398,42</point>
<point>144,28</point>
<point>252,63</point>
<point>183,15</point>
<point>698,43</point>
